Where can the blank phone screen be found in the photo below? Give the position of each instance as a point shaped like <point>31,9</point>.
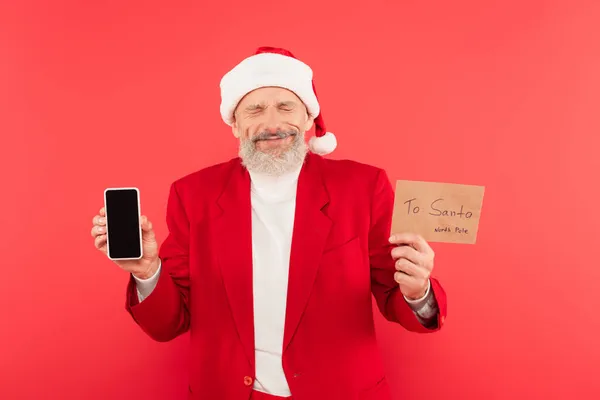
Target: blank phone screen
<point>123,224</point>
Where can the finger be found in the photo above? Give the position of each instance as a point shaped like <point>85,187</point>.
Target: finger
<point>98,230</point>
<point>411,239</point>
<point>405,266</point>
<point>146,224</point>
<point>403,279</point>
<point>409,253</point>
<point>147,232</point>
<point>148,237</point>
<point>103,212</point>
<point>100,242</point>
<point>99,220</point>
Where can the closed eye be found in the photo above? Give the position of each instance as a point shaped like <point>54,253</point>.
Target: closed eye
<point>286,105</point>
<point>254,108</point>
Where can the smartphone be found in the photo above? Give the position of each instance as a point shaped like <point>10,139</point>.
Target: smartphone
<point>123,229</point>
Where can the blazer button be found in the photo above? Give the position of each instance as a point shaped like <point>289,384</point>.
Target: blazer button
<point>247,381</point>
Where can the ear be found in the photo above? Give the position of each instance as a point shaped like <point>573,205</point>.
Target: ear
<point>235,129</point>
<point>309,123</point>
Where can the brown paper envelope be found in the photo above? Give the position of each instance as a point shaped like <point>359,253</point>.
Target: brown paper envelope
<point>440,212</point>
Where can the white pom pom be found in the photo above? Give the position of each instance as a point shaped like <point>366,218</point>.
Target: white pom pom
<point>324,144</point>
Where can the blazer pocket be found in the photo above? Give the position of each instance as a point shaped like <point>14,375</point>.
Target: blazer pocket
<point>344,266</point>
<point>342,254</point>
<point>354,241</point>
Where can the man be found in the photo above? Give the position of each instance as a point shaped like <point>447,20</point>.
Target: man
<point>272,257</point>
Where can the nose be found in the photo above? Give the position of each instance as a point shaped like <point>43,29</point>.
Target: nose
<point>272,121</point>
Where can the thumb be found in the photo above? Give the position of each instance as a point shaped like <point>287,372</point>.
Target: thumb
<point>146,225</point>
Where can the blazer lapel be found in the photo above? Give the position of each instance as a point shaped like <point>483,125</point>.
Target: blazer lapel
<point>311,229</point>
<point>233,238</point>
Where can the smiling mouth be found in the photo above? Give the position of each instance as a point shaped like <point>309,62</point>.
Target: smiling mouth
<point>273,137</point>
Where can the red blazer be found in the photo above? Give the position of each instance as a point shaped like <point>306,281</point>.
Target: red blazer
<point>340,256</point>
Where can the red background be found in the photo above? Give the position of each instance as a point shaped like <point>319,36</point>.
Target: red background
<point>506,95</point>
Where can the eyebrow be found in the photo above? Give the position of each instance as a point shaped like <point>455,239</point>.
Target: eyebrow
<point>253,107</point>
<point>288,103</point>
<point>261,106</point>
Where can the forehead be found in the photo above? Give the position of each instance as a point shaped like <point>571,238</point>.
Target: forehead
<point>269,95</point>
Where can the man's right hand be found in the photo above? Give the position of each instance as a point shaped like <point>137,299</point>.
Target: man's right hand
<point>143,268</point>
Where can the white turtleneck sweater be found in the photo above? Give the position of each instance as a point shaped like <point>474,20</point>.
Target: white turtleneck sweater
<point>273,208</point>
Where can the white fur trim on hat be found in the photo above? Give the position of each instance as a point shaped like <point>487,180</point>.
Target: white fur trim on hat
<point>324,144</point>
<point>267,69</point>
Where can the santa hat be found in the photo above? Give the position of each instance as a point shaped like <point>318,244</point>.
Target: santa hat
<point>271,66</point>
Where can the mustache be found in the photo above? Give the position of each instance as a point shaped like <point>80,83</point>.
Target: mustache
<point>269,135</point>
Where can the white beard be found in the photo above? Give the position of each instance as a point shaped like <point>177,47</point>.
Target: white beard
<point>267,163</point>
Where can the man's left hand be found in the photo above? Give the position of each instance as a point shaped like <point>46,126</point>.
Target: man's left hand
<point>414,263</point>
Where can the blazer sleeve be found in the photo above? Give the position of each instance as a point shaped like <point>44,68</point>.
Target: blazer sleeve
<point>390,301</point>
<point>165,314</point>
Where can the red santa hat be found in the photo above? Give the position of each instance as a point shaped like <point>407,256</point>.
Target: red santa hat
<point>271,66</point>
